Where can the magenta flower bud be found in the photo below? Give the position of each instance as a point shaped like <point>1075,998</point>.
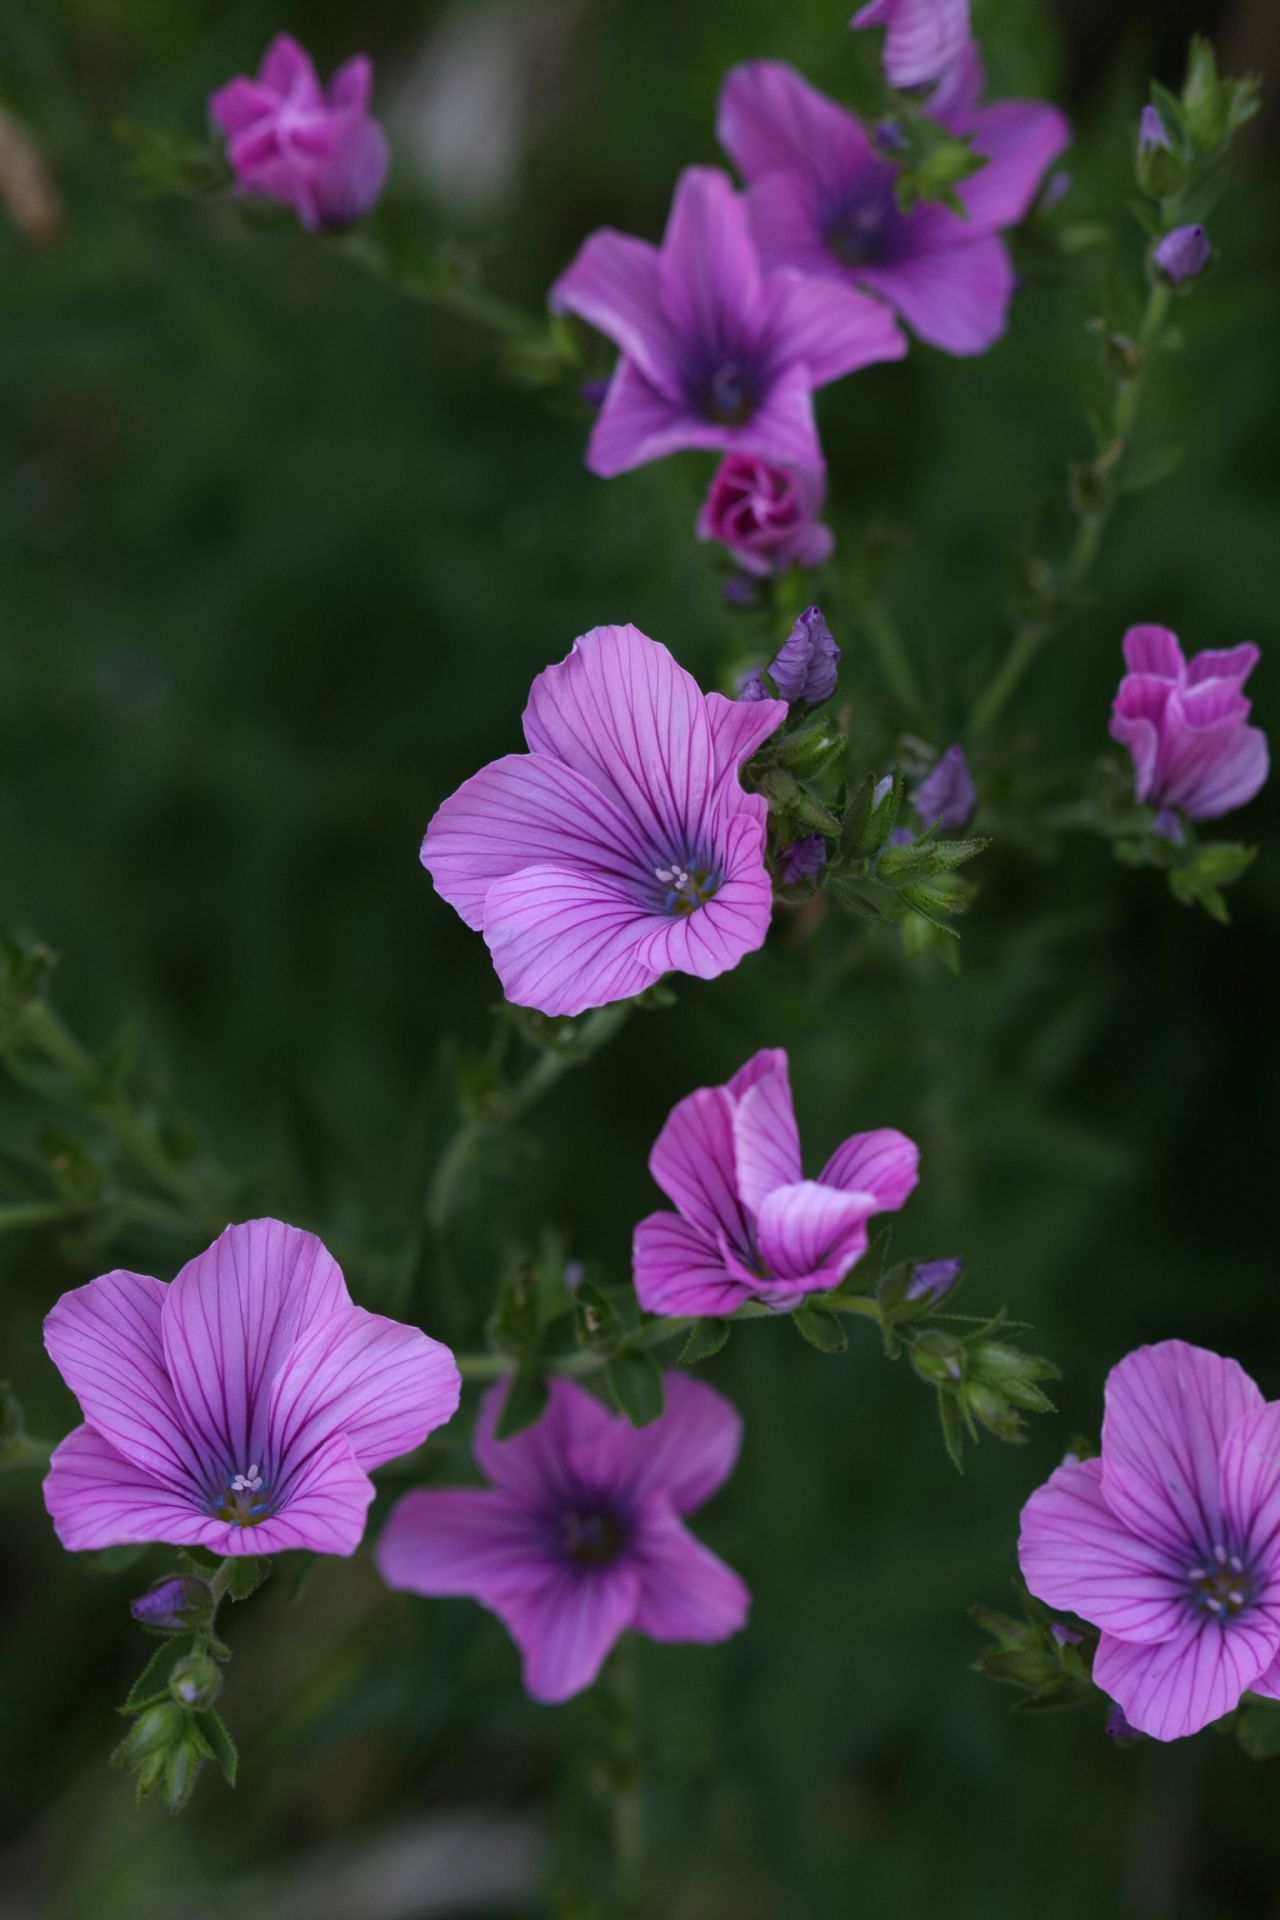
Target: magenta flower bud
<point>946,797</point>
<point>922,37</point>
<point>168,1606</point>
<point>319,152</point>
<point>1183,254</point>
<point>933,1279</point>
<point>803,859</point>
<point>1066,1636</point>
<point>1152,132</point>
<point>766,514</point>
<point>804,670</point>
<point>1184,723</point>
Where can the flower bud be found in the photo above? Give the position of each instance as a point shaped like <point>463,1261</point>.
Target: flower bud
<point>803,859</point>
<point>173,1605</point>
<point>933,1279</point>
<point>766,514</point>
<point>811,749</point>
<point>1119,1730</point>
<point>1151,131</point>
<point>154,1731</point>
<point>939,1358</point>
<point>1183,254</point>
<point>946,797</point>
<point>804,670</point>
<point>195,1681</point>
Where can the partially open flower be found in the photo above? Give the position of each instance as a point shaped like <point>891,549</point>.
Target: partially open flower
<point>1185,724</point>
<point>766,514</point>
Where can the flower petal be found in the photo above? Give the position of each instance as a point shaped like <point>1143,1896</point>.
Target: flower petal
<point>1169,1409</point>
<point>535,1463</point>
<point>638,422</point>
<point>709,270</point>
<point>739,728</point>
<point>771,121</point>
<point>97,1498</point>
<point>735,921</point>
<point>352,84</point>
<point>1075,1554</point>
<point>383,1385</point>
<point>686,1591</point>
<point>325,1512</point>
<point>1154,650</point>
<point>460,1540</point>
<point>614,285</point>
<point>241,104</point>
<point>563,941</point>
<point>287,70</point>
<point>694,1162</point>
<point>230,1318</point>
<point>829,325</point>
<point>1184,1683</point>
<point>812,1233</point>
<point>1222,663</point>
<point>766,1137</point>
<point>678,1270</point>
<point>883,1162</point>
<point>1020,139</point>
<point>682,1457</point>
<point>1250,1471</point>
<point>1212,771</point>
<point>524,810</point>
<point>566,1628</point>
<point>953,292</point>
<point>923,36</point>
<point>105,1340</point>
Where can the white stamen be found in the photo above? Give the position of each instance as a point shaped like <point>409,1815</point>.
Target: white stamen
<point>674,877</point>
<point>250,1482</point>
<point>1236,1599</point>
<point>1236,1564</point>
<point>1220,1555</point>
<point>1197,1573</point>
<point>1215,1606</point>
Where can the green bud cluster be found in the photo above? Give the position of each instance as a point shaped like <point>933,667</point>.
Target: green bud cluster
<point>1050,1669</point>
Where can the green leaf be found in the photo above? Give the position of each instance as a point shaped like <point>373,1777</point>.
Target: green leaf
<point>150,1684</point>
<point>525,1401</point>
<point>706,1338</point>
<point>952,1428</point>
<point>222,1747</point>
<point>635,1381</point>
<point>246,1576</point>
<point>822,1329</point>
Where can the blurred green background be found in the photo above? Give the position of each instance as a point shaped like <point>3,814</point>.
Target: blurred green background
<point>281,553</point>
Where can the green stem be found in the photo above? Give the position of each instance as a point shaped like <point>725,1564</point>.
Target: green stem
<point>220,1580</point>
<point>492,1366</point>
<point>449,296</point>
<point>26,1451</point>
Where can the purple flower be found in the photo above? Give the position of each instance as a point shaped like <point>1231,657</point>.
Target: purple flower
<point>946,797</point>
<point>239,1408</point>
<point>581,1534</point>
<point>806,665</point>
<point>766,514</point>
<point>1184,724</point>
<point>1169,1542</point>
<point>822,199</point>
<point>803,859</point>
<point>923,37</point>
<point>1183,254</point>
<point>169,1603</point>
<point>1152,132</point>
<point>621,846</point>
<point>715,351</point>
<point>933,1279</point>
<point>319,153</point>
<point>750,1226</point>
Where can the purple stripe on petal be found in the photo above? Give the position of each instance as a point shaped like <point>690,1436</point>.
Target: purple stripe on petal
<point>1076,1554</point>
<point>566,1628</point>
<point>1183,1684</point>
<point>766,1138</point>
<point>97,1498</point>
<point>678,1270</point>
<point>686,1591</point>
<point>883,1162</point>
<point>813,1233</point>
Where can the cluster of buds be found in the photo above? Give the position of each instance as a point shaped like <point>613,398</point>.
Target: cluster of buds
<point>980,1380</point>
<point>1048,1661</point>
<point>1182,140</point>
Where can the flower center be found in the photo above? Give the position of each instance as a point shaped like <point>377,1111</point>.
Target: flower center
<point>244,1502</point>
<point>686,888</point>
<point>591,1535</point>
<point>730,397</point>
<point>1221,1585</point>
<point>862,232</point>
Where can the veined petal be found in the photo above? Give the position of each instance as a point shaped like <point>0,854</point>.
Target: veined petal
<point>383,1385</point>
<point>883,1162</point>
<point>566,1627</point>
<point>1077,1555</point>
<point>1212,771</point>
<point>766,1137</point>
<point>534,1463</point>
<point>530,810</point>
<point>953,293</point>
<point>638,423</point>
<point>709,270</point>
<point>563,941</point>
<point>788,221</point>
<point>782,427</point>
<point>771,121</point>
<point>1154,650</point>
<point>678,1270</point>
<point>1169,1410</point>
<point>735,921</point>
<point>812,1233</point>
<point>829,326</point>
<point>1020,139</point>
<point>463,1540</point>
<point>739,728</point>
<point>1223,663</point>
<point>694,1162</point>
<point>1250,1471</point>
<point>686,1591</point>
<point>97,1498</point>
<point>105,1340</point>
<point>681,1457</point>
<point>1182,1684</point>
<point>288,71</point>
<point>325,1509</point>
<point>230,1318</point>
<point>614,285</point>
<point>923,37</point>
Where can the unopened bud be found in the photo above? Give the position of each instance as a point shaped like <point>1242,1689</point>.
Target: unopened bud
<point>173,1604</point>
<point>939,1358</point>
<point>933,1279</point>
<point>1183,254</point>
<point>803,859</point>
<point>195,1681</point>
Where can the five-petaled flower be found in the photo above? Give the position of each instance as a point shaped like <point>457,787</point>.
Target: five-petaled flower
<point>1184,723</point>
<point>766,514</point>
<point>238,1408</point>
<point>319,152</point>
<point>581,1534</point>
<point>922,38</point>
<point>716,351</point>
<point>749,1225</point>
<point>821,199</point>
<point>1169,1542</point>
<point>622,845</point>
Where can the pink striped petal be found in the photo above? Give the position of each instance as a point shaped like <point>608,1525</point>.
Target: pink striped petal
<point>638,422</point>
<point>682,1457</point>
<point>563,941</point>
<point>709,272</point>
<point>1021,139</point>
<point>694,1162</point>
<point>1250,1471</point>
<point>352,85</point>
<point>766,1137</point>
<point>830,326</point>
<point>98,1498</point>
<point>813,1234</point>
<point>231,1317</point>
<point>739,728</point>
<point>1177,1687</point>
<point>679,1271</point>
<point>686,1591</point>
<point>566,1628</point>
<point>464,1540</point>
<point>951,290</point>
<point>736,920</point>
<point>383,1385</point>
<point>534,1464</point>
<point>241,104</point>
<point>884,1163</point>
<point>1075,1554</point>
<point>1222,663</point>
<point>105,1340</point>
<point>1169,1409</point>
<point>771,121</point>
<point>614,285</point>
<point>287,70</point>
<point>325,1510</point>
<point>1154,650</point>
<point>923,37</point>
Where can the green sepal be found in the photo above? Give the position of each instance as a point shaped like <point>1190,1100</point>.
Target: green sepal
<point>222,1747</point>
<point>152,1683</point>
<point>949,1418</point>
<point>247,1575</point>
<point>706,1339</point>
<point>822,1329</point>
<point>524,1403</point>
<point>1257,1727</point>
<point>635,1381</point>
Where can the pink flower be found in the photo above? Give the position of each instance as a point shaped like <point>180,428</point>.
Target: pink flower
<point>1184,724</point>
<point>621,846</point>
<point>1170,1542</point>
<point>923,37</point>
<point>823,201</point>
<point>321,154</point>
<point>767,514</point>
<point>239,1408</point>
<point>581,1535</point>
<point>715,351</point>
<point>749,1225</point>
